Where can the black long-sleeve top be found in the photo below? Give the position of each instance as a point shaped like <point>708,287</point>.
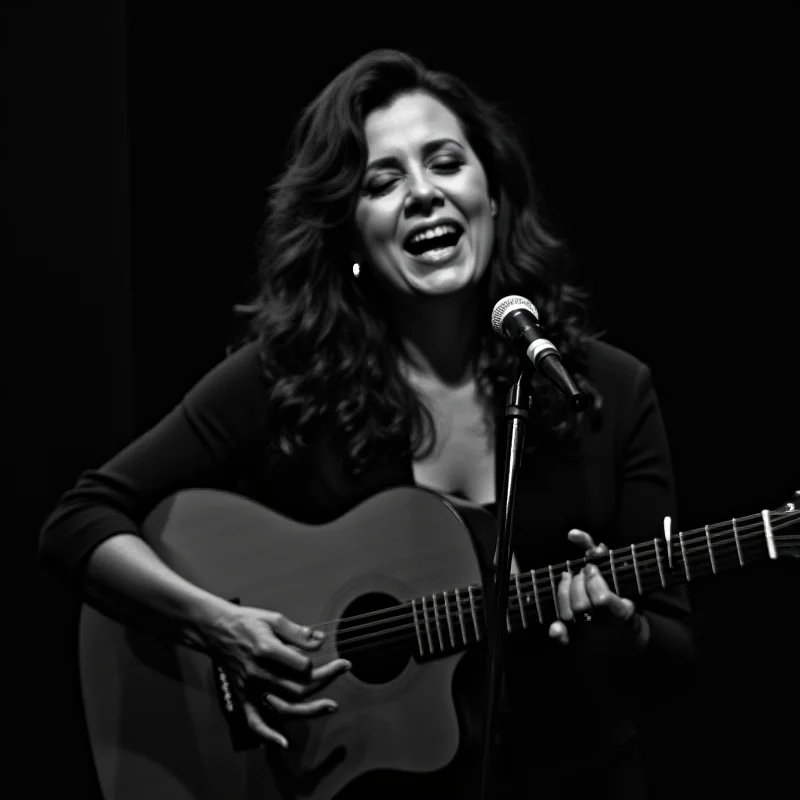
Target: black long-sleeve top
<point>614,481</point>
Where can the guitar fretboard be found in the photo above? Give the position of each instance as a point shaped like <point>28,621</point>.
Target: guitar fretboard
<point>452,620</point>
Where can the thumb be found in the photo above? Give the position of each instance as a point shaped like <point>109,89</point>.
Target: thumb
<point>582,539</point>
<point>298,635</point>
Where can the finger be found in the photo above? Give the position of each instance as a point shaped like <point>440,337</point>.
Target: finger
<point>314,680</point>
<point>578,596</point>
<point>582,539</point>
<point>313,709</point>
<point>597,590</point>
<point>597,553</point>
<point>322,676</point>
<point>562,594</point>
<point>283,659</point>
<point>600,594</point>
<point>257,725</point>
<point>559,632</point>
<point>298,635</point>
<point>621,607</point>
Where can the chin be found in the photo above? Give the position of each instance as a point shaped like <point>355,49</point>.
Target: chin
<point>447,281</point>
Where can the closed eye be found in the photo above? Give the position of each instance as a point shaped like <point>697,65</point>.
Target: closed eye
<point>384,182</point>
<point>381,185</point>
<point>448,165</point>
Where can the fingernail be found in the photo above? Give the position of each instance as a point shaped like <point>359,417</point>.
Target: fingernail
<point>283,743</point>
<point>332,707</point>
<point>317,635</point>
<point>347,666</point>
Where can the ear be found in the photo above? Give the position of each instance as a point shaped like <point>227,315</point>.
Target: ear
<point>493,206</point>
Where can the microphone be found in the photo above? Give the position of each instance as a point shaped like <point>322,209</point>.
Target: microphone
<point>516,318</point>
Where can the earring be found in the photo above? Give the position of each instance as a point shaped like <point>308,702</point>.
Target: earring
<point>356,270</point>
<point>494,208</point>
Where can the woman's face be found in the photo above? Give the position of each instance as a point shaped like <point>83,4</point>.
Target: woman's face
<point>424,217</point>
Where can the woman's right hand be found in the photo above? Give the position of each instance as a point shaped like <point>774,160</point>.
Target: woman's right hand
<point>265,655</point>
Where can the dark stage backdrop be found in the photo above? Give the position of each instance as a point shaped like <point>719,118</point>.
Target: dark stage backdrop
<point>140,145</point>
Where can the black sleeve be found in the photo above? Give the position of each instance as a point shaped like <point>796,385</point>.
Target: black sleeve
<point>646,497</point>
<point>195,445</point>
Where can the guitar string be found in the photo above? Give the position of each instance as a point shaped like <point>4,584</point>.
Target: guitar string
<point>409,632</point>
<point>528,583</point>
<point>446,608</point>
<point>643,560</point>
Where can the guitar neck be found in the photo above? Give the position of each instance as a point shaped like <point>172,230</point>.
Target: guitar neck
<point>452,620</point>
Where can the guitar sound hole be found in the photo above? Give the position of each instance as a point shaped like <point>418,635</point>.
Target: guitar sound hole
<point>376,634</point>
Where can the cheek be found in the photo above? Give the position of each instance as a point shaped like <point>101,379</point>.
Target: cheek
<point>477,195</point>
<point>376,225</point>
<point>481,214</point>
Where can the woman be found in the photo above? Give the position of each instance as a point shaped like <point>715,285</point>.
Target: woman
<point>405,212</point>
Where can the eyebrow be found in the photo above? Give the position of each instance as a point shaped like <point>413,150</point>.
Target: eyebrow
<point>427,149</point>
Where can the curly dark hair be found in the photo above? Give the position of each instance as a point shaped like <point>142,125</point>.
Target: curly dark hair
<point>329,354</point>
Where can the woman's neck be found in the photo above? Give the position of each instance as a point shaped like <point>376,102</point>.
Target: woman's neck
<point>439,336</point>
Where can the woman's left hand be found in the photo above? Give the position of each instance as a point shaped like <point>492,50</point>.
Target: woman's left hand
<point>586,599</point>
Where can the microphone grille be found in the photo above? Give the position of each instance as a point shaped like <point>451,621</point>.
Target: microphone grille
<point>505,306</point>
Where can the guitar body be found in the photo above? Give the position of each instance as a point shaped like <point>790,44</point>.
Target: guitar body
<point>155,719</point>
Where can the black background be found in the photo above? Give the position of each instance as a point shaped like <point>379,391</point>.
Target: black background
<point>139,146</point>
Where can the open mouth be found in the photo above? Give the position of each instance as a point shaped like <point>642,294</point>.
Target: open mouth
<point>434,241</point>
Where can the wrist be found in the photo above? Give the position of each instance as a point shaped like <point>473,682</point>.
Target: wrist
<point>208,617</point>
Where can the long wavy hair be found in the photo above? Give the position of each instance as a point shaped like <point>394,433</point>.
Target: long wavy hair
<point>330,357</point>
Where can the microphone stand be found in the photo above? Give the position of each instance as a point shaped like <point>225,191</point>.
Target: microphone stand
<point>518,406</point>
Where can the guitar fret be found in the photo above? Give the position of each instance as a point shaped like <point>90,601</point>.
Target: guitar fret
<point>449,621</point>
<point>711,551</point>
<point>536,596</point>
<point>683,555</point>
<point>521,604</point>
<point>474,615</point>
<point>636,570</point>
<point>660,567</point>
<point>553,588</point>
<point>416,626</point>
<point>613,571</point>
<point>438,624</point>
<point>461,616</point>
<point>427,625</point>
<point>768,533</point>
<point>738,546</point>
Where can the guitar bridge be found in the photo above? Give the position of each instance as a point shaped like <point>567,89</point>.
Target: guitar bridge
<point>242,736</point>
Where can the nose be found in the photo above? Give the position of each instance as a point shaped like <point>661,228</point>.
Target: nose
<point>423,194</point>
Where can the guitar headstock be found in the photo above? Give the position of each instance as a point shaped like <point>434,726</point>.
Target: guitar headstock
<point>785,523</point>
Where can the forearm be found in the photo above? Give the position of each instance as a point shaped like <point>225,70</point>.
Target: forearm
<point>127,580</point>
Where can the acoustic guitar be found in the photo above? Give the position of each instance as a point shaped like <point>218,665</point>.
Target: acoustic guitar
<point>397,585</point>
